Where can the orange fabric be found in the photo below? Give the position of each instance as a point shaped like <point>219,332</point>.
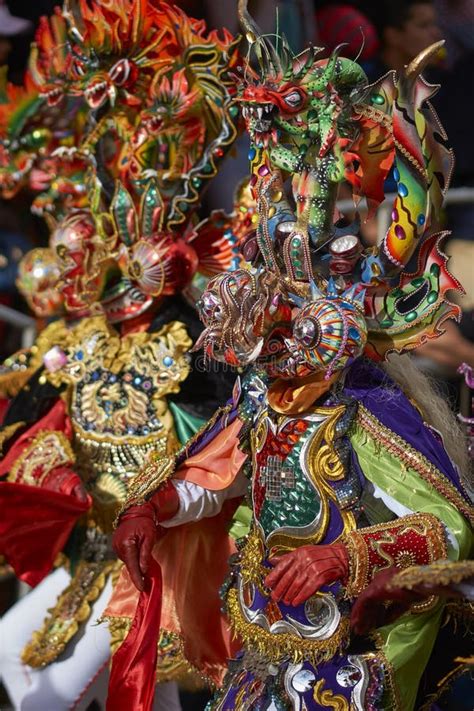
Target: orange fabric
<point>193,560</point>
<point>297,395</point>
<point>124,599</point>
<point>194,563</point>
<point>216,467</point>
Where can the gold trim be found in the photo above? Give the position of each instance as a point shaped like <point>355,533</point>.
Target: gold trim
<point>413,459</point>
<point>441,572</point>
<point>171,663</point>
<point>358,543</point>
<point>8,432</point>
<point>328,699</point>
<point>109,440</point>
<point>158,470</point>
<point>251,556</point>
<point>358,564</point>
<point>276,647</point>
<point>389,676</point>
<point>220,412</point>
<point>72,608</point>
<point>23,364</point>
<point>48,450</point>
<point>13,381</point>
<point>444,685</point>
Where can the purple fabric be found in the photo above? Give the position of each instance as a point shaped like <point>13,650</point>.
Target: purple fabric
<point>268,691</point>
<point>335,525</point>
<point>371,386</point>
<point>298,613</point>
<point>207,436</point>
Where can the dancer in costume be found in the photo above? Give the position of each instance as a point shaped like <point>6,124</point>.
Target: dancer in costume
<point>331,436</point>
<point>92,395</point>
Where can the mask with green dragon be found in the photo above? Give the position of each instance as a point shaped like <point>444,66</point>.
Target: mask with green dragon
<point>315,297</point>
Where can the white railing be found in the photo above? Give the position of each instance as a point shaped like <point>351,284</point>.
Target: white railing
<point>25,323</point>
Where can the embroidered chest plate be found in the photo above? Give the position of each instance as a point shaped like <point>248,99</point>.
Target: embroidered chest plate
<point>284,495</point>
<point>115,405</point>
<point>117,389</point>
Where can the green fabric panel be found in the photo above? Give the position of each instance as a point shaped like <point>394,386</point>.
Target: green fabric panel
<point>186,425</point>
<point>408,488</point>
<point>408,644</point>
<point>375,509</point>
<point>241,522</point>
<point>409,640</point>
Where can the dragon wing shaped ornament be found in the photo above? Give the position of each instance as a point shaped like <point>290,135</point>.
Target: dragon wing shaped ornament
<point>404,309</point>
<point>315,299</point>
<point>188,120</point>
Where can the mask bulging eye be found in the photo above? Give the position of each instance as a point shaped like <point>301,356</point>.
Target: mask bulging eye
<point>307,332</point>
<point>120,72</point>
<point>293,100</point>
<point>209,306</point>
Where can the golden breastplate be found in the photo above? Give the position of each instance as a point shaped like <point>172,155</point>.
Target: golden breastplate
<point>117,396</point>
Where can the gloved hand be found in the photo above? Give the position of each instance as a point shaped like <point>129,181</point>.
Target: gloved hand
<point>138,530</point>
<point>134,539</point>
<point>370,609</point>
<point>65,481</point>
<point>299,574</point>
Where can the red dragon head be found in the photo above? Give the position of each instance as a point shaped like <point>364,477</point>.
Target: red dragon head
<point>117,45</point>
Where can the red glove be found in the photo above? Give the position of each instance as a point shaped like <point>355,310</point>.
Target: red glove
<point>138,530</point>
<point>299,574</point>
<point>65,481</point>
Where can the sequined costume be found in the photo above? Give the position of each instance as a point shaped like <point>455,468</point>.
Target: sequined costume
<point>343,470</point>
<point>112,378</point>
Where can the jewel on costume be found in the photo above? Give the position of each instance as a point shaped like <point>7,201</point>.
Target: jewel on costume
<point>326,454</point>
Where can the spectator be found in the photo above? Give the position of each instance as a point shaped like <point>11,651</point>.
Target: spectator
<point>405,28</point>
<point>339,23</point>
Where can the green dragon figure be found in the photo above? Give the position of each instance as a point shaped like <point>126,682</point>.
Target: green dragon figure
<point>321,123</point>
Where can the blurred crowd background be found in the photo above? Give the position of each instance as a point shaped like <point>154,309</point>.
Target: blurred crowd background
<point>383,35</point>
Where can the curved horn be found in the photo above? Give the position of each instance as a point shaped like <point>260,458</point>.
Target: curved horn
<point>72,15</point>
<point>417,65</point>
<point>252,30</point>
<point>324,74</point>
<point>254,36</point>
<point>34,67</point>
<point>331,65</point>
